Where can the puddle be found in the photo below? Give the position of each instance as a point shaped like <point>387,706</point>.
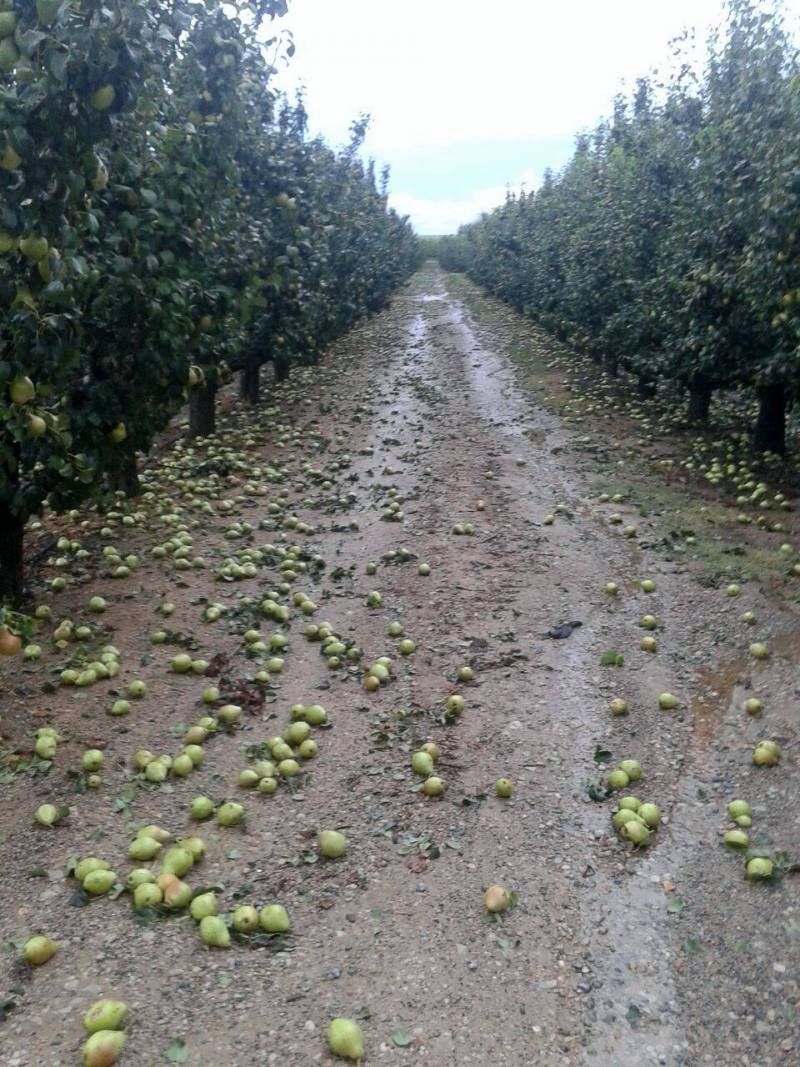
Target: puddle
<point>714,690</point>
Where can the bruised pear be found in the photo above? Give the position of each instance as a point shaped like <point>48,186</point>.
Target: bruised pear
<point>176,894</point>
<point>433,786</point>
<point>496,899</point>
<point>103,1048</point>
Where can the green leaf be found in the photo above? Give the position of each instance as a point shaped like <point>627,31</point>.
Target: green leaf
<point>633,1015</point>
<point>675,905</point>
<point>57,64</point>
<point>611,659</point>
<point>597,791</point>
<point>401,1038</point>
<point>177,1051</point>
<point>7,1004</point>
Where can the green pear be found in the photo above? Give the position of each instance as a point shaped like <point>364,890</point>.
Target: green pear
<point>345,1039</point>
<point>105,1015</point>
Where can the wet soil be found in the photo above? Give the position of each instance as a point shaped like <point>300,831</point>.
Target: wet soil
<point>662,955</point>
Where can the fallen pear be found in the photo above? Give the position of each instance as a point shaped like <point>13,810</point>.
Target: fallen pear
<point>345,1039</point>
<point>103,1048</point>
<point>105,1014</point>
<point>39,949</point>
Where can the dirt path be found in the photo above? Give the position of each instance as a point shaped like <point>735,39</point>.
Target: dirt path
<point>662,956</point>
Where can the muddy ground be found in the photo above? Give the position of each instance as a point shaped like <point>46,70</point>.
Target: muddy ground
<point>662,955</point>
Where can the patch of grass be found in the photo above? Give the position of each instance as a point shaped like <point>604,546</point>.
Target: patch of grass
<point>719,546</point>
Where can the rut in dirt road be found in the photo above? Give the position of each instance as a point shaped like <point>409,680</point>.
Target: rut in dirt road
<point>610,955</point>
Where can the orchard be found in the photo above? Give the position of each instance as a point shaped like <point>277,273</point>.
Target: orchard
<point>398,665</point>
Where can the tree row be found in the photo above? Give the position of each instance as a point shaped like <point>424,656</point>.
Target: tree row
<point>668,245</point>
<point>165,220</point>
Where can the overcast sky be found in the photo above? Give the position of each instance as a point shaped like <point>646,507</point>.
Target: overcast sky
<point>467,97</point>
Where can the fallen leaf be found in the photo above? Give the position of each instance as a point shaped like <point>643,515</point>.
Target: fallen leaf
<point>401,1038</point>
<point>417,863</point>
<point>177,1051</point>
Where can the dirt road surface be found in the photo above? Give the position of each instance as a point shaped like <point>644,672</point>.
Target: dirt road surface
<point>661,955</point>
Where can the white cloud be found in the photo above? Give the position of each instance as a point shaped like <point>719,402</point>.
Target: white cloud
<point>462,69</point>
<point>458,71</point>
<point>445,216</point>
<point>438,215</point>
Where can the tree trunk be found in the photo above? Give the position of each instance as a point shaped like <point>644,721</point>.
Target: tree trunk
<point>12,527</point>
<point>611,364</point>
<point>770,431</point>
<point>646,386</point>
<point>250,382</point>
<point>281,368</point>
<point>126,477</point>
<point>699,398</point>
<point>202,412</point>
